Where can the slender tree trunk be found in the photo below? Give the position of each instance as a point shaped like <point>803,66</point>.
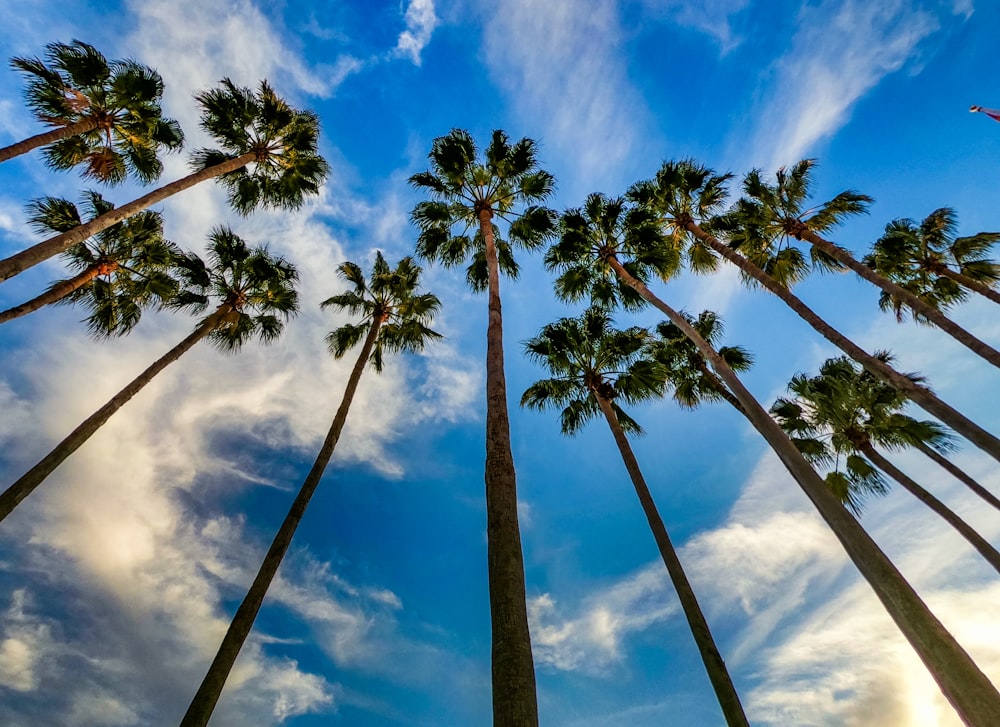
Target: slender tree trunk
<point>932,314</point>
<point>203,704</point>
<point>52,295</point>
<point>972,284</point>
<point>977,541</point>
<point>515,703</point>
<point>921,395</point>
<point>44,139</point>
<point>41,251</point>
<point>720,387</point>
<point>958,473</point>
<point>14,494</point>
<point>725,692</point>
<point>964,685</point>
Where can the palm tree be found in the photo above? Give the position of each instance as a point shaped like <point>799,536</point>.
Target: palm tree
<point>920,258</point>
<point>972,694</point>
<point>843,413</point>
<point>394,318</point>
<point>686,196</point>
<point>106,116</point>
<point>121,270</point>
<point>772,213</point>
<point>469,195</point>
<point>256,294</point>
<point>268,158</point>
<point>594,366</point>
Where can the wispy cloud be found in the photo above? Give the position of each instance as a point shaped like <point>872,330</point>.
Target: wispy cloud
<point>420,24</point>
<point>712,17</point>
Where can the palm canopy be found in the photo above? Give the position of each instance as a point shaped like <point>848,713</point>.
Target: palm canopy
<point>930,261</point>
<point>589,359</point>
<point>506,184</point>
<point>131,262</point>
<point>254,290</point>
<point>686,370</point>
<point>116,106</point>
<point>282,140</point>
<point>389,297</point>
<point>602,229</point>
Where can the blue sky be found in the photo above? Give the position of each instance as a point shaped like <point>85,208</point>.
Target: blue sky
<point>120,575</point>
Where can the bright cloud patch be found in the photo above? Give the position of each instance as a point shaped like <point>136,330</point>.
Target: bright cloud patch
<point>420,24</point>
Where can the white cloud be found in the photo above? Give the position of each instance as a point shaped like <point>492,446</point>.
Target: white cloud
<point>712,17</point>
<point>420,24</point>
<point>23,642</point>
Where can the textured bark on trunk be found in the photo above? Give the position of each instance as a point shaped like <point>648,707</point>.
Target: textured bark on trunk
<point>718,674</point>
<point>515,703</point>
<point>200,710</point>
<point>31,479</point>
<point>959,474</point>
<point>977,541</point>
<point>41,251</point>
<point>970,692</point>
<point>920,395</point>
<point>53,295</point>
<point>932,314</point>
<point>44,139</point>
<point>974,285</point>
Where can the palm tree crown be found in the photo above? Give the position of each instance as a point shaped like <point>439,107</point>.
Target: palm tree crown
<point>116,106</point>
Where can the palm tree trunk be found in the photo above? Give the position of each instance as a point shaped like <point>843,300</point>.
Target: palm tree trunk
<point>24,486</point>
<point>203,704</point>
<point>921,395</point>
<point>964,685</point>
<point>958,473</point>
<point>52,295</point>
<point>515,703</point>
<point>725,692</point>
<point>19,262</point>
<point>932,314</point>
<point>44,139</point>
<point>977,541</point>
<point>972,284</point>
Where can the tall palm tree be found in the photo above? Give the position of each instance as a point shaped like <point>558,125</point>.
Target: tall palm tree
<point>972,694</point>
<point>106,115</point>
<point>774,212</point>
<point>268,157</point>
<point>121,270</point>
<point>394,318</point>
<point>459,224</point>
<point>933,264</point>
<point>686,198</point>
<point>595,366</point>
<point>256,294</point>
<point>850,414</point>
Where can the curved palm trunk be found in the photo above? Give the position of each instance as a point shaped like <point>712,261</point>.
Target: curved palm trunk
<point>725,692</point>
<point>917,393</point>
<point>932,314</point>
<point>31,479</point>
<point>976,540</point>
<point>19,262</point>
<point>974,285</point>
<point>44,139</point>
<point>203,704</point>
<point>958,473</point>
<point>515,703</point>
<point>53,295</point>
<point>962,682</point>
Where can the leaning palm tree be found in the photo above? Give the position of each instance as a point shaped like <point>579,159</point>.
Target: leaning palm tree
<point>394,318</point>
<point>686,197</point>
<point>594,366</point>
<point>459,224</point>
<point>256,294</point>
<point>771,213</point>
<point>931,262</point>
<point>120,270</point>
<point>850,414</point>
<point>962,682</point>
<point>106,115</point>
<point>268,158</point>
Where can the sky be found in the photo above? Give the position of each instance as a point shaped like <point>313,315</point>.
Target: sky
<point>119,576</point>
